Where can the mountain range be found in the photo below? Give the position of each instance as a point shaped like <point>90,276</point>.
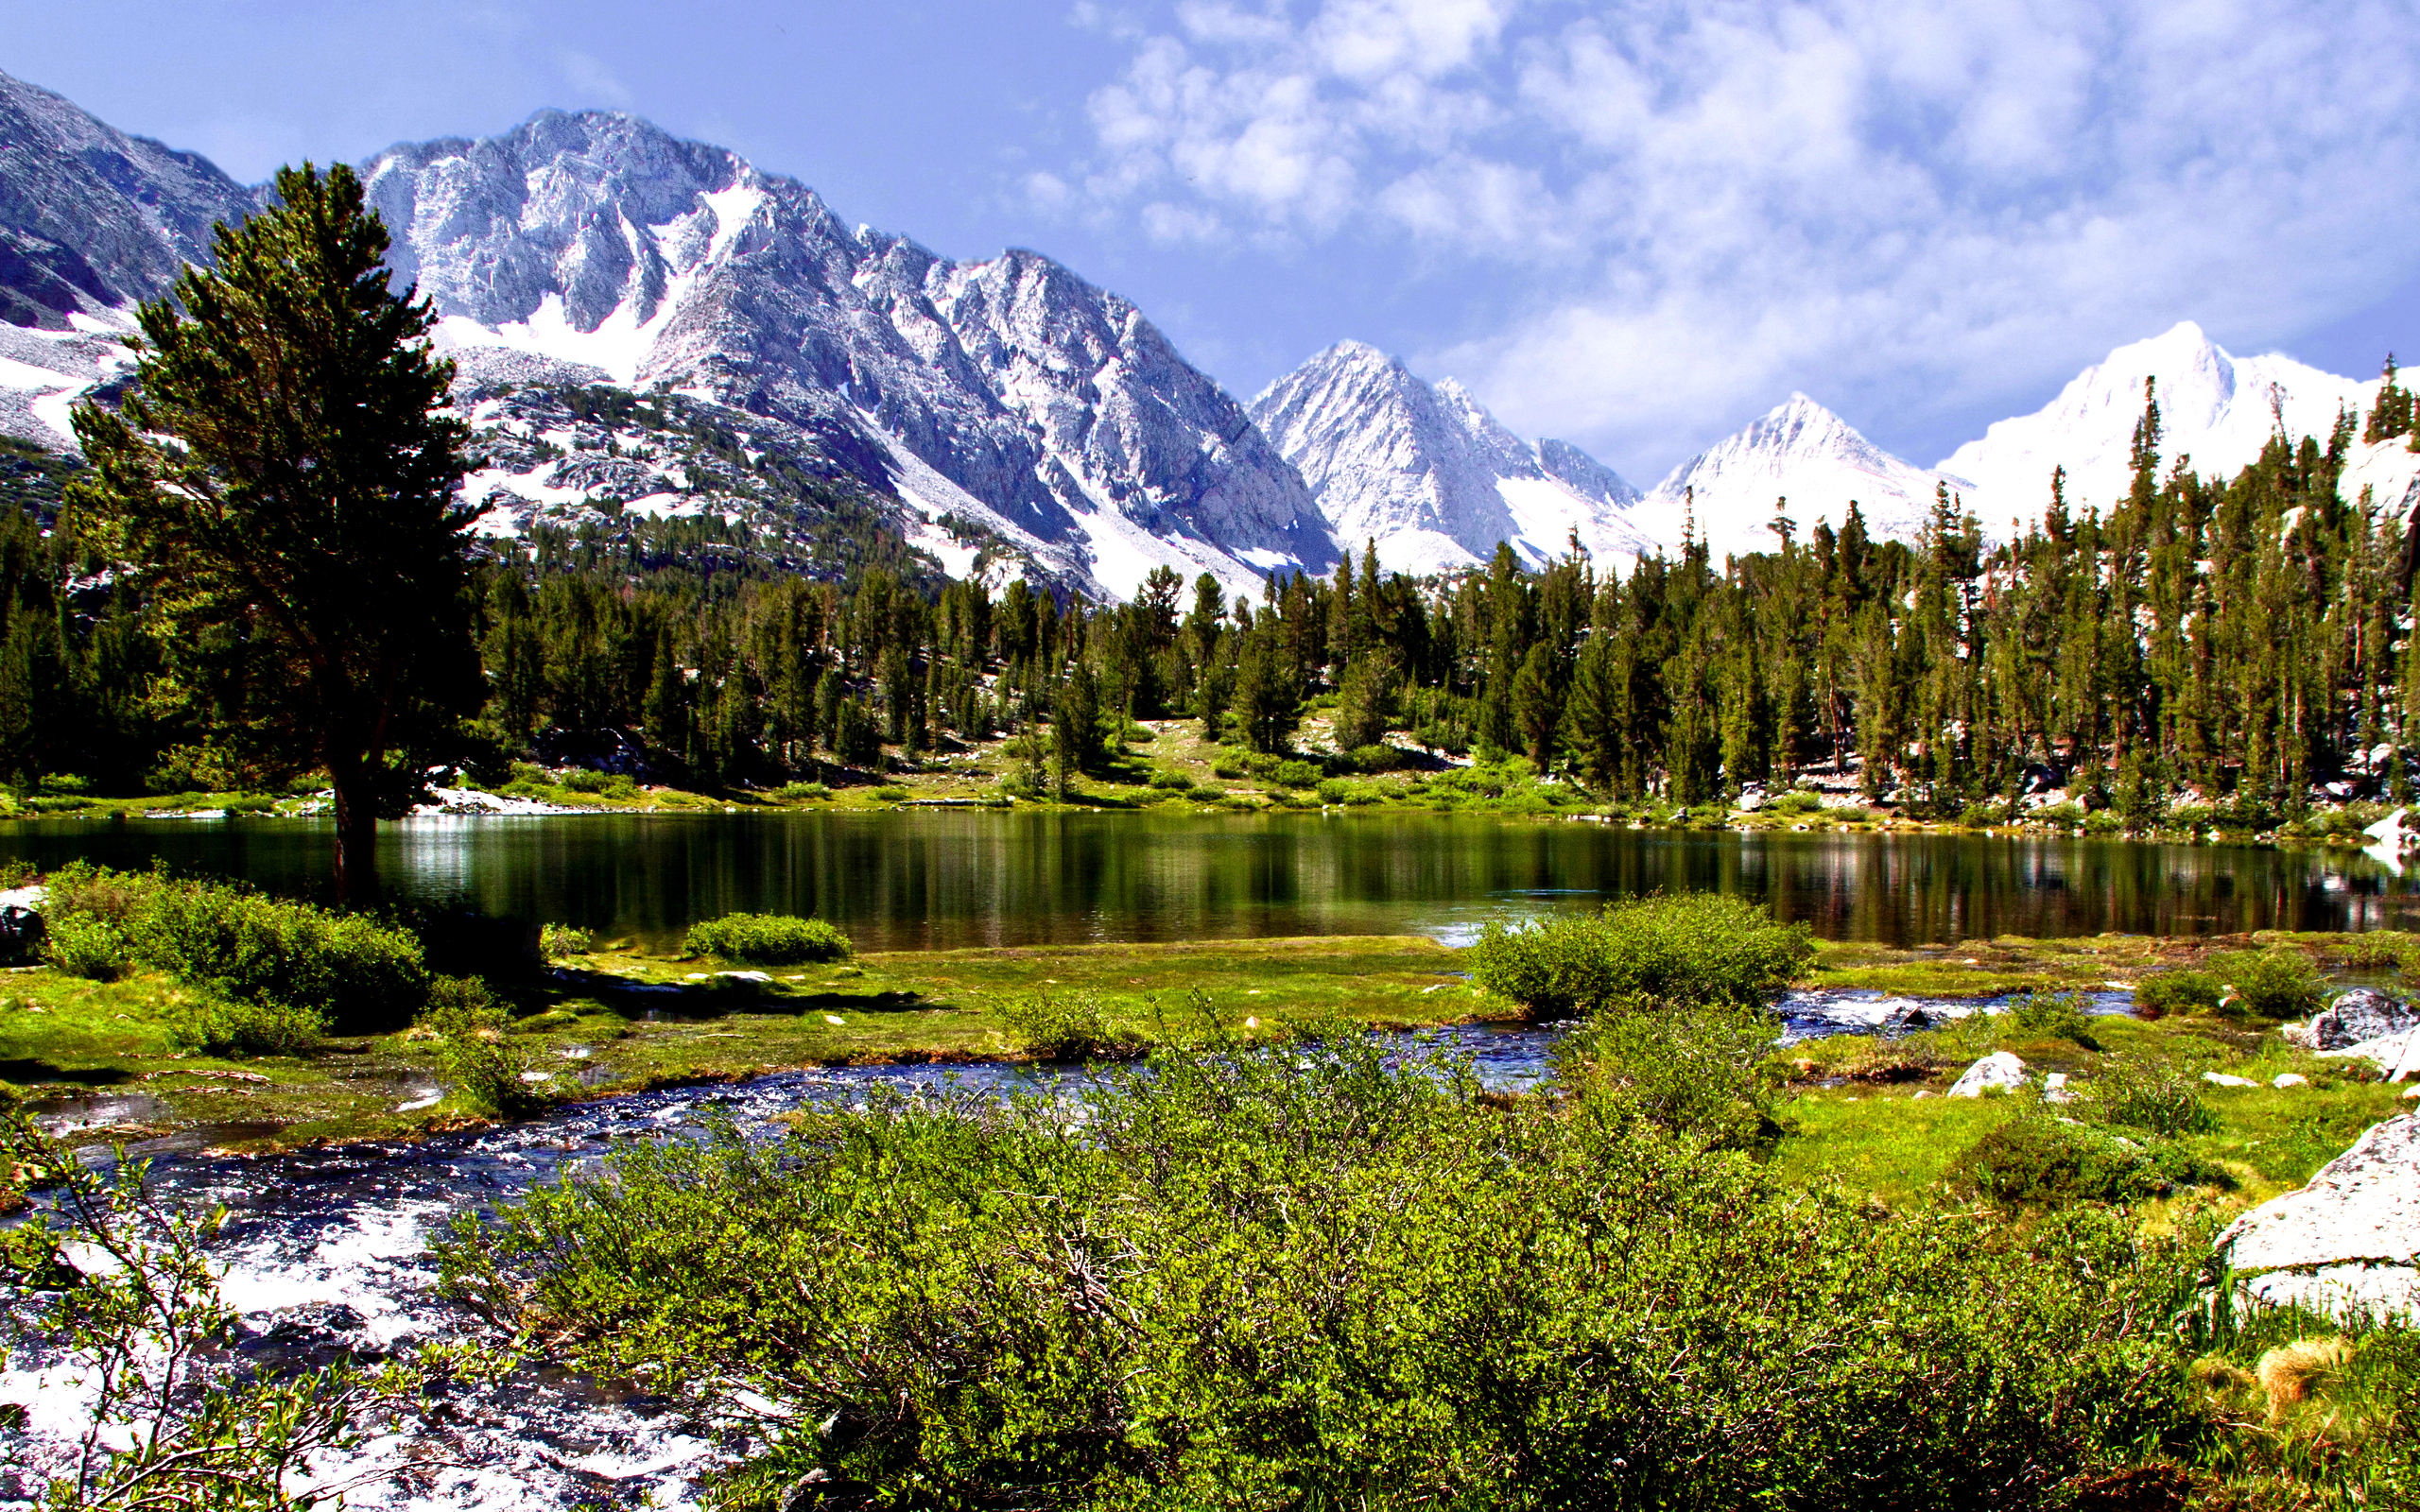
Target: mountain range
<point>1002,416</point>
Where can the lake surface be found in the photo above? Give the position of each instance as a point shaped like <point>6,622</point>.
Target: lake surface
<point>936,879</point>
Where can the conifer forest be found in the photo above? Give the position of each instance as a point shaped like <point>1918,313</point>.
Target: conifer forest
<point>2232,645</point>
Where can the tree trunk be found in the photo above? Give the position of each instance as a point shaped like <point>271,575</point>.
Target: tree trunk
<point>356,844</point>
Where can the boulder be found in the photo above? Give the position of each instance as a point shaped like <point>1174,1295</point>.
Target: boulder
<point>2055,1089</point>
<point>1999,1072</point>
<point>2360,1014</point>
<point>2346,1242</point>
<point>2220,1078</point>
<point>2395,1055</point>
<point>1907,1018</point>
<point>2290,1079</point>
<point>20,934</point>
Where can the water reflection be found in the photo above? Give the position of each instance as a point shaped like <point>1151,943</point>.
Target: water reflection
<point>927,879</point>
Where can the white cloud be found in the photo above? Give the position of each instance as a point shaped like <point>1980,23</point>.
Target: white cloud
<point>1903,208</point>
<point>590,75</point>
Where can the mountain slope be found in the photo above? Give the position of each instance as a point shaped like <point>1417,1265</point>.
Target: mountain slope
<point>1428,474</point>
<point>1804,453</point>
<point>92,220</point>
<point>1006,402</point>
<point>2218,410</point>
<point>1008,393</point>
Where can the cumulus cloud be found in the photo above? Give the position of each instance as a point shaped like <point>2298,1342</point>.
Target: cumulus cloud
<point>1905,209</point>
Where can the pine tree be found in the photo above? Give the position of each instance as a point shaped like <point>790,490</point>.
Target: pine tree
<point>299,531</point>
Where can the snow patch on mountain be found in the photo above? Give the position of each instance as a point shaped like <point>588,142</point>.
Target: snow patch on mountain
<point>1431,477</point>
<point>2217,410</point>
<point>1804,457</point>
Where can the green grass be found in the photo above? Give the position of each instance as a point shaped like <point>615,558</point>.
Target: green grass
<point>61,1035</point>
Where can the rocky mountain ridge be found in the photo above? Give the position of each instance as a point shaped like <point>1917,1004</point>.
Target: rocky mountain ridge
<point>1429,475</point>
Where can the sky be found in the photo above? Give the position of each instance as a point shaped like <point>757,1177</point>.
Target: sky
<point>1632,226</point>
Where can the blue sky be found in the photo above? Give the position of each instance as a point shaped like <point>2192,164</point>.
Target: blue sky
<point>1633,226</point>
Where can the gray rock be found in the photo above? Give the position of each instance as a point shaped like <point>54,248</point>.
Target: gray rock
<point>2360,1014</point>
<point>20,934</point>
<point>1999,1072</point>
<point>1907,1019</point>
<point>92,220</point>
<point>2348,1239</point>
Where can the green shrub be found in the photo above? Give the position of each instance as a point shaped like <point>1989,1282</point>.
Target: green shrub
<point>794,792</point>
<point>584,779</point>
<point>219,1026</point>
<point>1693,948</point>
<point>2058,1014</point>
<point>1172,781</point>
<point>1307,1277</point>
<point>2149,1096</point>
<point>2066,815</point>
<point>2170,992</point>
<point>1699,1072</point>
<point>768,939</point>
<point>86,945</point>
<point>2277,983</point>
<point>1228,768</point>
<point>1333,790</point>
<point>358,975</point>
<point>361,975</point>
<point>461,1007</point>
<point>1375,759</point>
<point>1795,801</point>
<point>1847,814</point>
<point>890,793</point>
<point>1295,774</point>
<point>561,941</point>
<point>1067,1026</point>
<point>2036,1160</point>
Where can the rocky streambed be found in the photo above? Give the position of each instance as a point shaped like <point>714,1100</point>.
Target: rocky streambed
<point>327,1251</point>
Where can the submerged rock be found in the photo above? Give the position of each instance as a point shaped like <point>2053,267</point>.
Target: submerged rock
<point>2346,1242</point>
<point>1907,1018</point>
<point>1999,1072</point>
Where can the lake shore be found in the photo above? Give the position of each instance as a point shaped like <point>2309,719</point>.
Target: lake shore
<point>1168,766</point>
<point>102,1060</point>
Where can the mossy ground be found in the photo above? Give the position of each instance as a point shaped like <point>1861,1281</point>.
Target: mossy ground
<point>621,1020</point>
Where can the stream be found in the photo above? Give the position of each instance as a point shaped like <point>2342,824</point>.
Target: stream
<point>325,1251</point>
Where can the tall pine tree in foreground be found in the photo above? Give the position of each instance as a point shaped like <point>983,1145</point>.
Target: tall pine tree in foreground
<point>286,481</point>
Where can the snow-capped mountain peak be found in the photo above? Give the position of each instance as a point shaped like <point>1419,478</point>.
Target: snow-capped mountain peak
<point>1425,472</point>
<point>2214,408</point>
<point>1801,453</point>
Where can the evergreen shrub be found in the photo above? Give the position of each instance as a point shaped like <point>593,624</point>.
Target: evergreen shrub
<point>2058,1014</point>
<point>2037,1159</point>
<point>2156,997</point>
<point>768,939</point>
<point>1067,1026</point>
<point>1692,948</point>
<point>1307,1277</point>
<point>559,941</point>
<point>2276,983</point>
<point>221,1026</point>
<point>354,973</point>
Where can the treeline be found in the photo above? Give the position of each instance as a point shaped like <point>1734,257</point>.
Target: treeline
<point>2231,642</point>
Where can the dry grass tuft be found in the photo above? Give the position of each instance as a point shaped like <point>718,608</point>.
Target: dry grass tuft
<point>2289,1373</point>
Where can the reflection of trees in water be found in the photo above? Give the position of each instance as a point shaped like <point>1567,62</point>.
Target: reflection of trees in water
<point>911,879</point>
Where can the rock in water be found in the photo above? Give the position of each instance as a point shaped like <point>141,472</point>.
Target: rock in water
<point>2349,1241</point>
<point>1907,1019</point>
<point>2358,1015</point>
<point>1999,1072</point>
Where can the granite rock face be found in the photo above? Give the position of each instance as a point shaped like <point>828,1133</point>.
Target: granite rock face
<point>1008,394</point>
<point>90,218</point>
<point>2347,1240</point>
<point>1006,407</point>
<point>1426,473</point>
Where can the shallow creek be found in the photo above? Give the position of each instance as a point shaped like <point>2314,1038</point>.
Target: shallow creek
<point>326,1251</point>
